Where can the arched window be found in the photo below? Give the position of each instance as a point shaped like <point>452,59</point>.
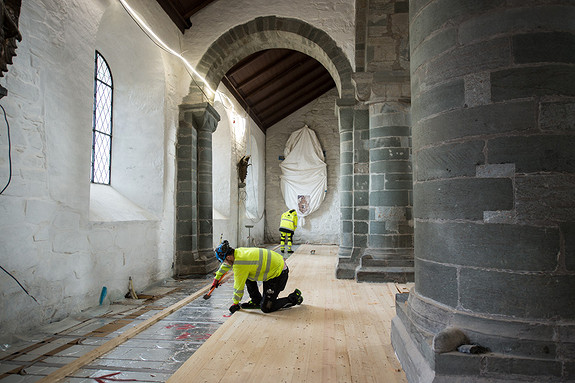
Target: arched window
<point>102,124</point>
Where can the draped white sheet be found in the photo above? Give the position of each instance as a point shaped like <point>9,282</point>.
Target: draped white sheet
<point>304,173</point>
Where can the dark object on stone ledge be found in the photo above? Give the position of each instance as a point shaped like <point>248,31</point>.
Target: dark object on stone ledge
<point>472,349</point>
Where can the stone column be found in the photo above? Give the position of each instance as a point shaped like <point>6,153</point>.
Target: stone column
<point>389,254</point>
<point>346,265</point>
<point>493,86</point>
<point>194,253</point>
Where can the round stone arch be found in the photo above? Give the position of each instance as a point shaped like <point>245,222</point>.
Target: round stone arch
<point>272,32</point>
<point>198,120</point>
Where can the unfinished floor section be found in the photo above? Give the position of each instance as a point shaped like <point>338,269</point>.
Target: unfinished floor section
<point>341,333</point>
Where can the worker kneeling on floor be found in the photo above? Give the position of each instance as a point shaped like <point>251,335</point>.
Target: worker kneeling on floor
<point>253,264</point>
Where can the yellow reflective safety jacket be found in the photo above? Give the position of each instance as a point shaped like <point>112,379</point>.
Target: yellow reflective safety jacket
<point>254,264</point>
<point>289,221</point>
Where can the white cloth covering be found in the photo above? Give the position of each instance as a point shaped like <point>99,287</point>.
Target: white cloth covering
<point>304,173</point>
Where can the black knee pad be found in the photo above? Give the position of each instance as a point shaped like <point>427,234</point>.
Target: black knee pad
<point>267,307</point>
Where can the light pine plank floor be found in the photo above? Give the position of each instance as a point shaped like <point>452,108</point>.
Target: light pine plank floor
<point>341,333</point>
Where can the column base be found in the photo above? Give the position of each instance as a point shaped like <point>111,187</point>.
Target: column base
<point>388,265</point>
<point>347,263</point>
<point>412,343</point>
<point>191,264</point>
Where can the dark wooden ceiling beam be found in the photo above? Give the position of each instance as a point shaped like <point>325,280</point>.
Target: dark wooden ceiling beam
<point>250,61</point>
<point>296,99</point>
<point>175,13</point>
<point>290,77</point>
<point>196,7</point>
<point>287,87</point>
<point>290,59</point>
<point>281,114</point>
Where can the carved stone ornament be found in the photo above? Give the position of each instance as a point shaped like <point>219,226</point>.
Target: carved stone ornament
<point>9,35</point>
<point>243,168</point>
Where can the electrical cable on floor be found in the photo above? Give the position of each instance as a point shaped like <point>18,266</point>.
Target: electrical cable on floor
<point>9,151</point>
<point>26,291</point>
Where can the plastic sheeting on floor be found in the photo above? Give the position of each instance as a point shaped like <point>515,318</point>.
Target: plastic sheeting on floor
<point>304,173</point>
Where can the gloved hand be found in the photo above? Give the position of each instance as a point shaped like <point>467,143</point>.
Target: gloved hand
<point>235,307</point>
<point>216,283</point>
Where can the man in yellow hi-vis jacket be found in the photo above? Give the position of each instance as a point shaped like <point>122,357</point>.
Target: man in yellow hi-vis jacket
<point>253,264</point>
<point>288,224</point>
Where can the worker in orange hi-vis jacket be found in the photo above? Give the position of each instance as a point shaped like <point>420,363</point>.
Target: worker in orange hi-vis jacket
<point>288,224</point>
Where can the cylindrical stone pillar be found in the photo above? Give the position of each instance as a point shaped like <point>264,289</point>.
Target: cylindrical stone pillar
<point>493,87</point>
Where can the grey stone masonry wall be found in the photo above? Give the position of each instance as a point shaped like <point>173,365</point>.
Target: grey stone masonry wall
<point>493,89</point>
<point>194,253</point>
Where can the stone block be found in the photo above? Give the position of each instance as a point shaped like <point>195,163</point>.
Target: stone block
<point>443,97</point>
<point>458,364</point>
<point>462,61</point>
<point>482,120</point>
<point>361,214</point>
<point>437,14</point>
<point>545,199</point>
<point>361,198</point>
<point>360,227</point>
<point>534,153</point>
<point>521,295</point>
<point>516,19</point>
<point>437,281</point>
<point>462,198</point>
<point>392,166</point>
<point>384,142</point>
<point>360,241</point>
<point>391,131</point>
<point>568,229</point>
<point>347,226</point>
<point>447,161</point>
<point>493,246</point>
<point>361,182</point>
<point>389,198</point>
<point>527,367</point>
<point>434,46</point>
<point>544,47</point>
<point>557,116</point>
<point>346,182</point>
<point>386,154</point>
<point>495,171</point>
<point>539,81</point>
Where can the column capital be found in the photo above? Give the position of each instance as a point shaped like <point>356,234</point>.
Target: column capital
<point>204,116</point>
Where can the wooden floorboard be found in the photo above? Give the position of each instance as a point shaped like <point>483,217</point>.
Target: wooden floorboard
<point>341,333</point>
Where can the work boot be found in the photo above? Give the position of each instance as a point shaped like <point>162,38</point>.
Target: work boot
<point>296,297</point>
<point>250,305</point>
<point>290,251</point>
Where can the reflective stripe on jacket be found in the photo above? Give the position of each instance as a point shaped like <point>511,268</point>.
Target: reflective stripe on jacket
<point>289,221</point>
<point>254,264</point>
<point>224,267</point>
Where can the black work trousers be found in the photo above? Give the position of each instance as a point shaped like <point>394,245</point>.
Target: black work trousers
<point>272,287</point>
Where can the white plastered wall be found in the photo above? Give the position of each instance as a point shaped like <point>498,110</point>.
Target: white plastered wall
<point>236,136</point>
<point>61,238</point>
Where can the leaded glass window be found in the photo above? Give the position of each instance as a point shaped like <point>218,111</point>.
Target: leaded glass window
<point>102,124</point>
